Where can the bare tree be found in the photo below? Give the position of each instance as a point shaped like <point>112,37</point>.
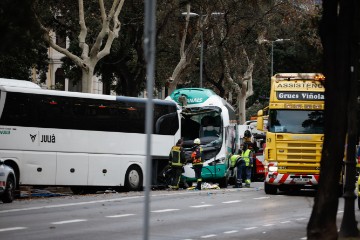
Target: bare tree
<point>91,53</point>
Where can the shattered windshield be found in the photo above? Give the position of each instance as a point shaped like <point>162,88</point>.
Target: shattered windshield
<point>203,123</point>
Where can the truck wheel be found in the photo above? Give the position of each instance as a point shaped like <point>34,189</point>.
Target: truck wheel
<point>270,189</point>
<point>134,179</point>
<point>9,193</point>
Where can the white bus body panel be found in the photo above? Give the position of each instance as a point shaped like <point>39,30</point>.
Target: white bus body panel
<point>72,169</point>
<point>41,168</point>
<point>57,151</point>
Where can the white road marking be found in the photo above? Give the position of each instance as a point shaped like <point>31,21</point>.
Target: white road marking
<point>285,222</point>
<point>232,231</point>
<point>268,225</point>
<point>121,215</point>
<point>304,238</point>
<point>69,221</point>
<point>299,219</point>
<point>208,236</point>
<point>200,206</point>
<point>11,229</point>
<point>234,201</point>
<point>340,211</point>
<point>93,202</point>
<point>69,204</point>
<point>165,210</point>
<point>249,228</point>
<point>261,198</point>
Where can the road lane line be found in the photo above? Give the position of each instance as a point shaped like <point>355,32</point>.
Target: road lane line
<point>121,215</point>
<point>208,236</point>
<point>299,219</point>
<point>200,206</point>
<point>11,229</point>
<point>261,198</point>
<point>285,222</point>
<point>234,201</point>
<point>93,202</point>
<point>69,204</point>
<point>250,228</point>
<point>165,210</point>
<point>268,225</point>
<point>232,231</point>
<point>69,221</point>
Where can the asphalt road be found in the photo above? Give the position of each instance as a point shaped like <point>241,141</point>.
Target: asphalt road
<point>246,213</point>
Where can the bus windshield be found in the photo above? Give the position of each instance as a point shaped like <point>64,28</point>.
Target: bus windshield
<point>296,121</point>
<point>203,123</point>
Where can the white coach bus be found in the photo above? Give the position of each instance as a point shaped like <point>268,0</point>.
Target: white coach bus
<point>85,141</point>
<point>207,116</point>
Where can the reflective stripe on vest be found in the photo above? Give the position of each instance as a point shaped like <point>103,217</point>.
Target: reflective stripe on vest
<point>175,156</point>
<point>246,156</point>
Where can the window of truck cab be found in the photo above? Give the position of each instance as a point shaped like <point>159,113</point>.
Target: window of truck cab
<point>296,121</point>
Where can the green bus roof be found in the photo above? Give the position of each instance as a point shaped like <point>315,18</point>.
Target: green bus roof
<point>193,95</point>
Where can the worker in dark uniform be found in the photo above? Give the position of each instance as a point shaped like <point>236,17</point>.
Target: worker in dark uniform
<point>235,161</point>
<point>244,161</point>
<point>177,161</point>
<point>197,162</point>
<point>247,155</point>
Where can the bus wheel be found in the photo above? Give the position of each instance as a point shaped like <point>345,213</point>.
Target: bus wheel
<point>270,189</point>
<point>9,193</point>
<point>223,183</point>
<point>134,179</point>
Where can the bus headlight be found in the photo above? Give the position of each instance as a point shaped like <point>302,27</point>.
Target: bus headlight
<point>273,169</point>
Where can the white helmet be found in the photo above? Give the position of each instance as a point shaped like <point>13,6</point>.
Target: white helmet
<point>197,141</point>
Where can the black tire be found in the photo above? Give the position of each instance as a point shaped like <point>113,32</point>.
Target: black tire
<point>9,193</point>
<point>223,182</point>
<point>358,202</point>
<point>270,189</point>
<point>134,179</point>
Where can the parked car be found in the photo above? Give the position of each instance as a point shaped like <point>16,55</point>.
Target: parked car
<point>7,183</point>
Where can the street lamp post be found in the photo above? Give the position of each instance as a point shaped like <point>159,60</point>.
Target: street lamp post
<point>272,51</point>
<point>192,14</point>
<point>201,57</point>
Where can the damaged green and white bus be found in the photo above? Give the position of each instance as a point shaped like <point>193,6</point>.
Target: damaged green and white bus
<point>207,116</point>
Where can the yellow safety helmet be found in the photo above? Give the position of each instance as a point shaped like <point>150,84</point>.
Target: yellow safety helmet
<point>197,141</point>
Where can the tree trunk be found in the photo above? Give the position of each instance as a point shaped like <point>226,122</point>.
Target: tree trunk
<point>335,34</point>
<point>86,79</point>
<point>349,224</point>
<point>241,102</point>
